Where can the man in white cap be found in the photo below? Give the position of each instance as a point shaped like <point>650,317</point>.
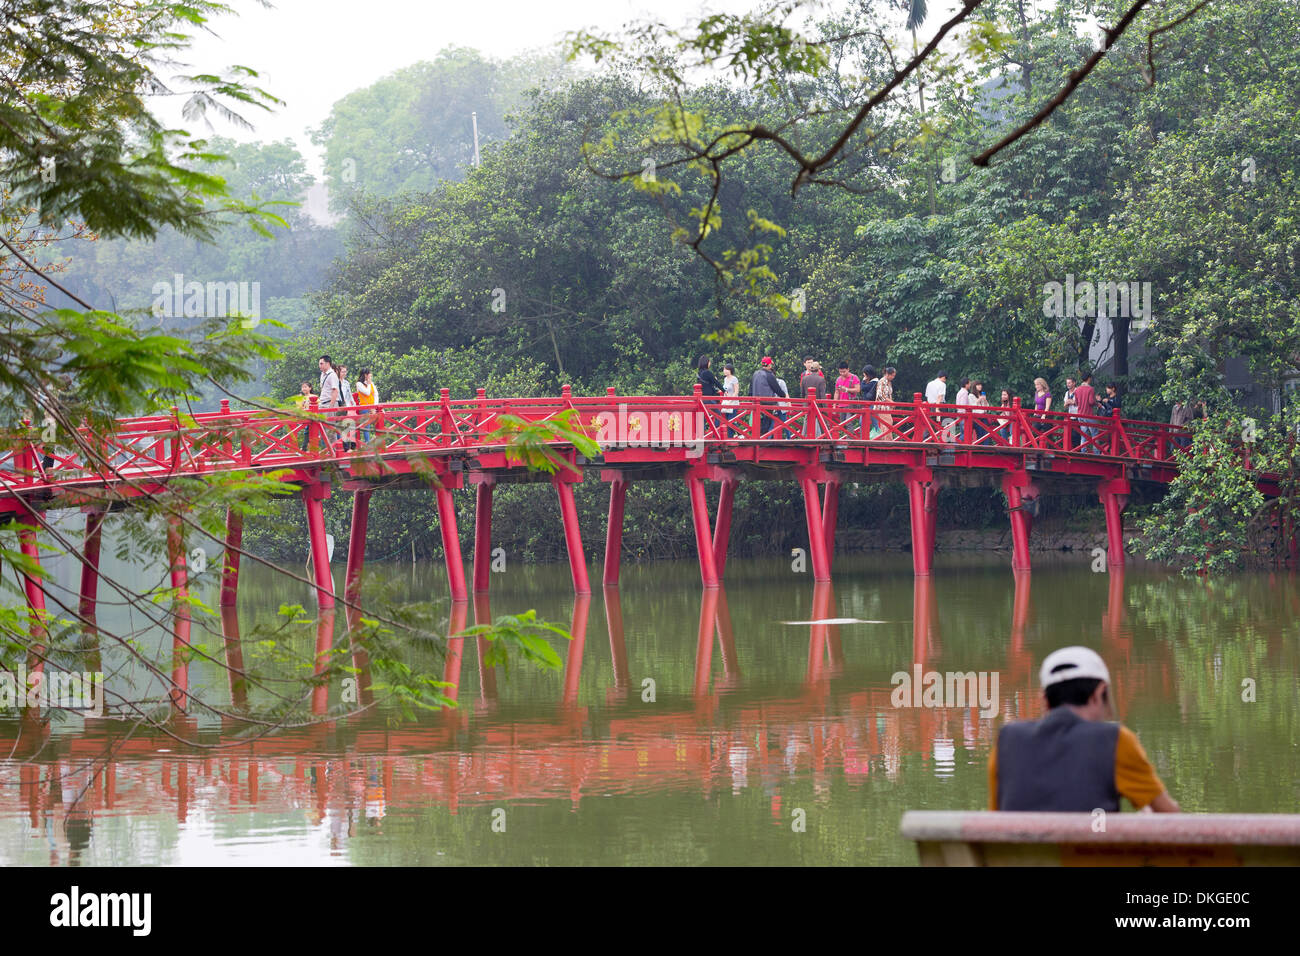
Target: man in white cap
<point>1073,759</point>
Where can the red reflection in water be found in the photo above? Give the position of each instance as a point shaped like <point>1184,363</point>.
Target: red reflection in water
<point>348,774</point>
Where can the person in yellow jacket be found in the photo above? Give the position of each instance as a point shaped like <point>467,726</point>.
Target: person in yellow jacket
<point>367,393</point>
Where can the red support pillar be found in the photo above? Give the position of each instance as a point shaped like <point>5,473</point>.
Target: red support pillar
<point>482,537</point>
<point>1114,494</point>
<point>1019,490</point>
<point>356,546</point>
<point>722,526</point>
<point>35,594</point>
<point>703,536</point>
<point>313,497</point>
<point>919,481</point>
<point>816,533</point>
<point>451,544</point>
<point>572,536</point>
<point>830,515</point>
<point>90,566</point>
<point>614,530</point>
<point>181,622</point>
<point>230,565</point>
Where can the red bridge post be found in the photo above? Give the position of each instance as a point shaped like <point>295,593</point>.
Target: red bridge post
<point>313,497</point>
<point>614,529</point>
<point>90,565</point>
<point>356,546</point>
<point>1020,490</point>
<point>1113,493</point>
<point>230,565</point>
<point>816,529</point>
<point>920,505</point>
<point>703,534</point>
<point>830,516</point>
<point>451,544</point>
<point>34,590</point>
<point>563,482</point>
<point>483,535</point>
<point>722,526</point>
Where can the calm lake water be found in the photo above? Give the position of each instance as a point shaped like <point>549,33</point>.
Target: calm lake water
<point>686,727</point>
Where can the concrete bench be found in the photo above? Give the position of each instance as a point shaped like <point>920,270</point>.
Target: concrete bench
<point>988,838</point>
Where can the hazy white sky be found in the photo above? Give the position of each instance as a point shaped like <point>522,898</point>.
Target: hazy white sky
<point>312,52</point>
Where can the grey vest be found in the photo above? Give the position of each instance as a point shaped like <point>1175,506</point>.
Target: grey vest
<point>1060,763</point>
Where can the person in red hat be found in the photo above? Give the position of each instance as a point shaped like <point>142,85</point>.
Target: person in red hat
<point>765,384</point>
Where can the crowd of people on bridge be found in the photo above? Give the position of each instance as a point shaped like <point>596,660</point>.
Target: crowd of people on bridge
<point>1078,397</point>
<point>336,391</point>
<point>840,391</point>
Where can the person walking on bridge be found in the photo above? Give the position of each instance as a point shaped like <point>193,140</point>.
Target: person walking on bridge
<point>367,394</point>
<point>936,393</point>
<point>765,384</point>
<point>303,401</point>
<point>731,389</point>
<point>847,389</point>
<point>884,428</point>
<point>331,395</point>
<point>812,386</point>
<point>1085,401</point>
<point>1073,759</point>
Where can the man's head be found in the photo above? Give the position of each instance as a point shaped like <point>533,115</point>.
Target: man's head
<point>942,376</point>
<point>1076,677</point>
<point>325,363</point>
<point>965,382</point>
<point>844,366</point>
<point>767,361</point>
<point>808,361</point>
<point>1069,382</point>
<point>1087,378</point>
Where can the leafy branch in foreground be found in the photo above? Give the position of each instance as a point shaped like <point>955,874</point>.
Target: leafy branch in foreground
<point>520,633</point>
<point>531,443</point>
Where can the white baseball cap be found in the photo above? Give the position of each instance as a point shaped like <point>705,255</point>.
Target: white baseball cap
<point>1071,662</point>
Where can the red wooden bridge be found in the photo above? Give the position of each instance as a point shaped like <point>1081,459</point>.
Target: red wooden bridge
<point>443,444</point>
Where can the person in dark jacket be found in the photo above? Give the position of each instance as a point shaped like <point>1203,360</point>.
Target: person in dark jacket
<point>1111,403</point>
<point>765,384</point>
<point>869,383</point>
<point>709,383</point>
<point>1073,759</point>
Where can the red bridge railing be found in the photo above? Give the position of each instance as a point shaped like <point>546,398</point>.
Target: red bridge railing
<point>160,446</point>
